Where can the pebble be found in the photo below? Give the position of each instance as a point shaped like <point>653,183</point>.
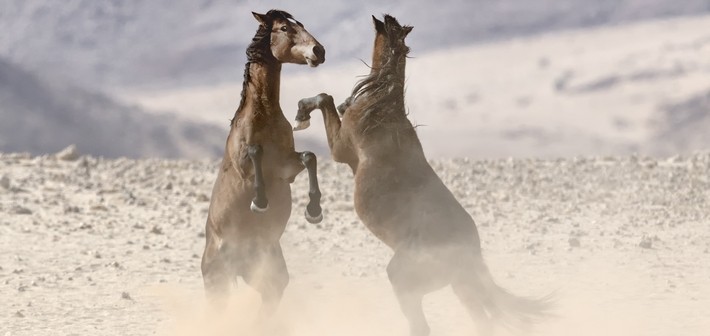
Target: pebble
<point>69,153</point>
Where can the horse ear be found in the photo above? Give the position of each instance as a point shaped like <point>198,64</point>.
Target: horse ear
<point>407,30</point>
<point>260,17</point>
<point>379,25</point>
<point>391,21</point>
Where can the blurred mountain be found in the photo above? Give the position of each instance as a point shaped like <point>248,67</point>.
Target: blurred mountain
<point>38,115</point>
<point>187,42</point>
<point>684,125</point>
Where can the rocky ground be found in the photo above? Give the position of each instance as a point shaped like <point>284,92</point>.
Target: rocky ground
<point>112,247</point>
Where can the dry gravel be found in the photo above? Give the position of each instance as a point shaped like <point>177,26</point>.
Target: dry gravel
<point>112,247</point>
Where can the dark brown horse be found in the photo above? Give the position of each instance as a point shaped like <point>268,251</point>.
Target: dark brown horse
<point>405,204</point>
<point>251,199</point>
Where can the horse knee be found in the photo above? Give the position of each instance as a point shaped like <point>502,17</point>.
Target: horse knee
<point>324,100</point>
<point>255,151</point>
<point>309,159</point>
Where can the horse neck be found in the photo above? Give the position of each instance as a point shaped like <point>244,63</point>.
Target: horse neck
<point>263,89</point>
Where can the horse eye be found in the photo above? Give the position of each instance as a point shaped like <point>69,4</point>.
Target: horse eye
<point>284,28</point>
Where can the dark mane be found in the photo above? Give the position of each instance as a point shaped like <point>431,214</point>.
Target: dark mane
<point>259,51</point>
<point>385,87</point>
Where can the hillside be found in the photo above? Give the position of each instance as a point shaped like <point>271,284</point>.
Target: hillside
<point>178,43</point>
<point>39,115</point>
<point>597,91</point>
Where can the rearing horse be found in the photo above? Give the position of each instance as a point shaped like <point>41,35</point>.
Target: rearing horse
<point>251,199</point>
<point>402,201</point>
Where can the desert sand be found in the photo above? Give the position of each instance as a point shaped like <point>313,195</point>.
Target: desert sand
<point>112,247</point>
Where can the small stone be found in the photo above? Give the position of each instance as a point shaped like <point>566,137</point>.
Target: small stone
<point>99,207</point>
<point>156,230</point>
<point>203,198</point>
<point>646,243</point>
<point>574,242</point>
<point>5,182</point>
<point>19,314</point>
<point>126,296</point>
<point>20,210</point>
<point>71,209</point>
<point>68,154</point>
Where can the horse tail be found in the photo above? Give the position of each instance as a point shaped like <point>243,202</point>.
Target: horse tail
<point>509,310</point>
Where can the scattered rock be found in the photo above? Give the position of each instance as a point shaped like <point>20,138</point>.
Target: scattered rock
<point>19,314</point>
<point>68,154</point>
<point>5,182</point>
<point>574,242</point>
<point>126,296</point>
<point>20,210</point>
<point>646,242</point>
<point>71,209</point>
<point>156,230</point>
<point>98,207</point>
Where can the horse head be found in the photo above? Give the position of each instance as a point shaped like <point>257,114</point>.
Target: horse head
<point>290,42</point>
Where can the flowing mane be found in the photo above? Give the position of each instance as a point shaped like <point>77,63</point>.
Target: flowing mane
<point>385,86</point>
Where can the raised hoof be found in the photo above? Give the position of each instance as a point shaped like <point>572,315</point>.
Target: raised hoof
<point>301,125</point>
<point>314,220</point>
<point>255,208</point>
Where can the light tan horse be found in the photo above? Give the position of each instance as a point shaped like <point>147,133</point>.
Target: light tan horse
<point>251,199</point>
<point>399,197</point>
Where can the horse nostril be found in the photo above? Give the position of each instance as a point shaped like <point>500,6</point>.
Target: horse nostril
<point>319,51</point>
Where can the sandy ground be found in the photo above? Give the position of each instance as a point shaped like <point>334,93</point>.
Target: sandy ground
<point>112,247</point>
<point>596,91</point>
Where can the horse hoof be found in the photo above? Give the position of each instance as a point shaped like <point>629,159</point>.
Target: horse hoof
<point>301,125</point>
<point>314,220</point>
<point>255,208</point>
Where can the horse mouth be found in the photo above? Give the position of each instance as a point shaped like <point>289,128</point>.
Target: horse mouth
<point>312,63</point>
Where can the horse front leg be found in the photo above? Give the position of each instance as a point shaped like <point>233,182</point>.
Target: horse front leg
<point>340,147</point>
<point>344,106</point>
<point>259,204</point>
<point>314,212</point>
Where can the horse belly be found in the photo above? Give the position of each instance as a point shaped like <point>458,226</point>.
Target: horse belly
<point>234,221</point>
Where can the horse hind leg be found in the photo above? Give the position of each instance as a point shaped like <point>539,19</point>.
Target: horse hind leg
<point>259,204</point>
<point>314,212</point>
<point>411,278</point>
<point>216,275</point>
<point>268,275</point>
